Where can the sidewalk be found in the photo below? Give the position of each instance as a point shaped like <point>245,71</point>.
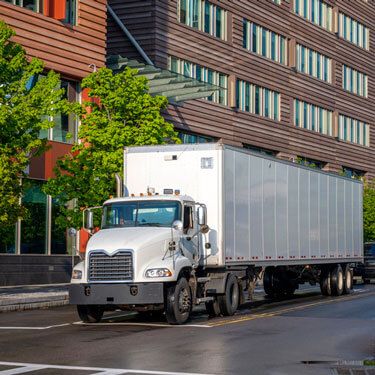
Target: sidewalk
<point>28,297</point>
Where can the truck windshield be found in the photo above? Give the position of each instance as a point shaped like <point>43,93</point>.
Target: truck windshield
<point>141,213</point>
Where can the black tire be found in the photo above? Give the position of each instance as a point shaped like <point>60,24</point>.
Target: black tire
<point>268,281</point>
<point>213,308</point>
<point>178,303</point>
<point>337,280</point>
<point>348,280</point>
<point>325,283</point>
<point>90,313</point>
<point>230,300</point>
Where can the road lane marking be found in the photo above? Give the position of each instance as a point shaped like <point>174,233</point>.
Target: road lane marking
<point>37,328</point>
<point>144,325</point>
<point>27,367</point>
<point>283,311</point>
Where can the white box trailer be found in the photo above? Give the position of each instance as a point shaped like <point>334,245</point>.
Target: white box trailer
<point>260,210</point>
<point>201,223</point>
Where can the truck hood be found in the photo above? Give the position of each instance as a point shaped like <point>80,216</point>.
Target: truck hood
<point>127,238</point>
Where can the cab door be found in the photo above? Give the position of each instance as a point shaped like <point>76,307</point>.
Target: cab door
<point>190,239</point>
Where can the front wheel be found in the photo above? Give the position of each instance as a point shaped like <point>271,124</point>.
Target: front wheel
<point>90,313</point>
<point>178,302</point>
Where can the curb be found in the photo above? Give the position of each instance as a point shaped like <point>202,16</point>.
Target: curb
<point>22,306</point>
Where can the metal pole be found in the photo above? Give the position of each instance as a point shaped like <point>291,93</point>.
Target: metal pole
<point>130,36</point>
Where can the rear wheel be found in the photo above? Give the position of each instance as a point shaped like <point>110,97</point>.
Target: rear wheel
<point>348,280</point>
<point>90,313</point>
<point>268,281</point>
<point>178,302</point>
<point>337,280</point>
<point>325,282</point>
<point>230,300</point>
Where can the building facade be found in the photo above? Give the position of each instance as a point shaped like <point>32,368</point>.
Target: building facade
<point>69,36</point>
<point>296,77</point>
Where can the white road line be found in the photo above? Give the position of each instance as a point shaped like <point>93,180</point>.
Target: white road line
<point>22,370</point>
<point>97,370</point>
<point>37,328</point>
<point>144,325</point>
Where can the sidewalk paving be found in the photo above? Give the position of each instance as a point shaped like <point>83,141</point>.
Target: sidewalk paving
<point>28,297</point>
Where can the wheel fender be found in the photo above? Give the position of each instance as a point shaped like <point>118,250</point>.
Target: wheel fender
<point>217,283</point>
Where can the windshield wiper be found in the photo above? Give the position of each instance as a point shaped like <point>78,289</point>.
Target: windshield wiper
<point>148,224</point>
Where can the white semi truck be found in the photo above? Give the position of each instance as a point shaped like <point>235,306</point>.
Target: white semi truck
<point>200,224</point>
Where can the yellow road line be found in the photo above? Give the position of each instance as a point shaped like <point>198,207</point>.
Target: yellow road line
<point>282,311</point>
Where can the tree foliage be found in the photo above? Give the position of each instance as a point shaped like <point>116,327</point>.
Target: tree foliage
<point>369,211</point>
<point>121,113</point>
<point>24,112</point>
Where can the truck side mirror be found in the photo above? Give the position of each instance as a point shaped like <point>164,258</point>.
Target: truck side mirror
<point>177,225</point>
<point>202,215</point>
<point>89,222</point>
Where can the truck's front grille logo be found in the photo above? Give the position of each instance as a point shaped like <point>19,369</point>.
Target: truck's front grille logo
<point>104,267</point>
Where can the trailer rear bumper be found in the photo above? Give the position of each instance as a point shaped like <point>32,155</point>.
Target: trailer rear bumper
<point>116,294</point>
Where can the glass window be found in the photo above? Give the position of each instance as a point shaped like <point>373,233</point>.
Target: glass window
<point>264,42</point>
<point>312,117</point>
<point>203,74</point>
<point>315,11</point>
<point>353,130</point>
<point>58,235</point>
<point>313,63</point>
<point>64,129</point>
<point>142,213</point>
<point>354,81</point>
<point>71,12</point>
<point>189,138</point>
<point>369,249</point>
<point>7,239</point>
<point>203,16</point>
<point>353,31</point>
<point>258,100</point>
<point>34,227</point>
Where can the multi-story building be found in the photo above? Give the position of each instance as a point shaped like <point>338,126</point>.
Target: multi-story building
<point>296,77</point>
<point>69,36</point>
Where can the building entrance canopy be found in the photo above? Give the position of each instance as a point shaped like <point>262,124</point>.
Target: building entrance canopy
<point>176,87</point>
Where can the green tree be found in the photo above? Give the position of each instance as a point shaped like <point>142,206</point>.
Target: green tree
<point>26,102</point>
<point>369,211</point>
<point>121,113</point>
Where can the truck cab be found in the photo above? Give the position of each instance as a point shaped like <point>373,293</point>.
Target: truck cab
<point>145,245</point>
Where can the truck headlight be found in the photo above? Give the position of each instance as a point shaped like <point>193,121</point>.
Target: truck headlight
<point>158,272</point>
<point>77,274</point>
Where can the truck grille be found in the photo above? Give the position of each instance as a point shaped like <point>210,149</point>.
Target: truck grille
<point>104,267</point>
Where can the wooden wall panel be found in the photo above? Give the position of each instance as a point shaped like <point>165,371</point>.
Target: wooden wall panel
<point>67,49</point>
<point>163,35</point>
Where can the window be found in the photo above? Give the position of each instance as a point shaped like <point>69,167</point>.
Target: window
<point>311,163</point>
<point>65,128</point>
<point>278,2</point>
<point>315,11</point>
<point>64,12</point>
<point>353,31</point>
<point>312,117</point>
<point>34,227</point>
<point>188,218</point>
<point>354,131</point>
<point>264,42</point>
<point>7,239</point>
<point>313,63</point>
<point>260,150</point>
<point>353,173</point>
<point>258,100</point>
<point>202,74</point>
<point>204,16</point>
<point>354,81</point>
<point>190,138</point>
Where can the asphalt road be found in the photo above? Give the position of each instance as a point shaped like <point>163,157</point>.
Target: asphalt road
<point>308,334</point>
